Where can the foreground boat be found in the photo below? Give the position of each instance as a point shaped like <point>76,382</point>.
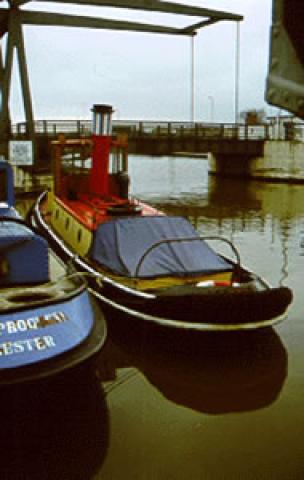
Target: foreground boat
<point>145,264</point>
<point>48,321</point>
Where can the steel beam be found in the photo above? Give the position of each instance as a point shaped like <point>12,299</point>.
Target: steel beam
<point>5,89</point>
<point>3,22</point>
<point>152,5</point>
<point>27,102</point>
<point>14,41</point>
<point>65,20</point>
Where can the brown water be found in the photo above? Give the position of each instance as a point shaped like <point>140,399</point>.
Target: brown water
<point>170,405</point>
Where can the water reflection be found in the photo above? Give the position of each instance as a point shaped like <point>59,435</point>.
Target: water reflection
<point>54,429</point>
<point>211,373</point>
<point>265,220</point>
<point>150,433</point>
<point>251,203</point>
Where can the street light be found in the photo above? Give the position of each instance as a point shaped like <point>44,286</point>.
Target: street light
<point>211,108</point>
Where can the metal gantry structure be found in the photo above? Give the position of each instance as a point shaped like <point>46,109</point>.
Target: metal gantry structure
<point>14,15</point>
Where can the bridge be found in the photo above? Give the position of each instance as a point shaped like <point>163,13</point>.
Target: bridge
<point>272,151</point>
<point>159,138</point>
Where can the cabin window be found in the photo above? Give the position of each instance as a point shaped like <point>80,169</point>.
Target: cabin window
<point>57,214</point>
<point>79,236</point>
<point>67,223</point>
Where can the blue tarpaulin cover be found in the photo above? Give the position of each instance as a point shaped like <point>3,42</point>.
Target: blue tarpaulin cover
<point>24,253</point>
<point>119,244</point>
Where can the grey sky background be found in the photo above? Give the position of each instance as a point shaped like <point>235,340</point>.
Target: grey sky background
<point>146,76</point>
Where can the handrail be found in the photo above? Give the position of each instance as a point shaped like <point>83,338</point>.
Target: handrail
<point>186,239</point>
<point>155,129</point>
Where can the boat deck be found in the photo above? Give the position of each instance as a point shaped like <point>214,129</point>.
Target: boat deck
<point>91,211</point>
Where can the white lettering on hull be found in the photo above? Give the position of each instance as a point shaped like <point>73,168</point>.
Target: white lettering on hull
<point>33,323</point>
<point>28,345</point>
<point>34,344</point>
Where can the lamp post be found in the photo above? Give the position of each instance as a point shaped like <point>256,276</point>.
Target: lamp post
<point>211,99</point>
<point>237,74</point>
<point>192,81</point>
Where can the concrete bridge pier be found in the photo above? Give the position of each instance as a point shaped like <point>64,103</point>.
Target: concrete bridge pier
<point>280,161</point>
<point>230,165</point>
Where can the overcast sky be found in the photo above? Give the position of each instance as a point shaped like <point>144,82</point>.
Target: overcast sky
<point>147,76</point>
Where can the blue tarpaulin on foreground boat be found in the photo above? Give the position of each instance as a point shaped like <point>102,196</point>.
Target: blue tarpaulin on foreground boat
<point>24,255</point>
<point>120,243</point>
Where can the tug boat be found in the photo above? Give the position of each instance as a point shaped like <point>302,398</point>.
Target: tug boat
<point>48,320</point>
<point>142,263</point>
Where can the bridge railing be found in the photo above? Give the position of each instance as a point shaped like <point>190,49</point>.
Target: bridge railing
<point>137,129</point>
<point>54,127</point>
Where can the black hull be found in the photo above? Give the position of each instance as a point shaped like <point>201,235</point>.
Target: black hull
<point>209,309</point>
<point>223,309</point>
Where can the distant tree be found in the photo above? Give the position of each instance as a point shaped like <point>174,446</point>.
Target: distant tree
<point>253,116</point>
